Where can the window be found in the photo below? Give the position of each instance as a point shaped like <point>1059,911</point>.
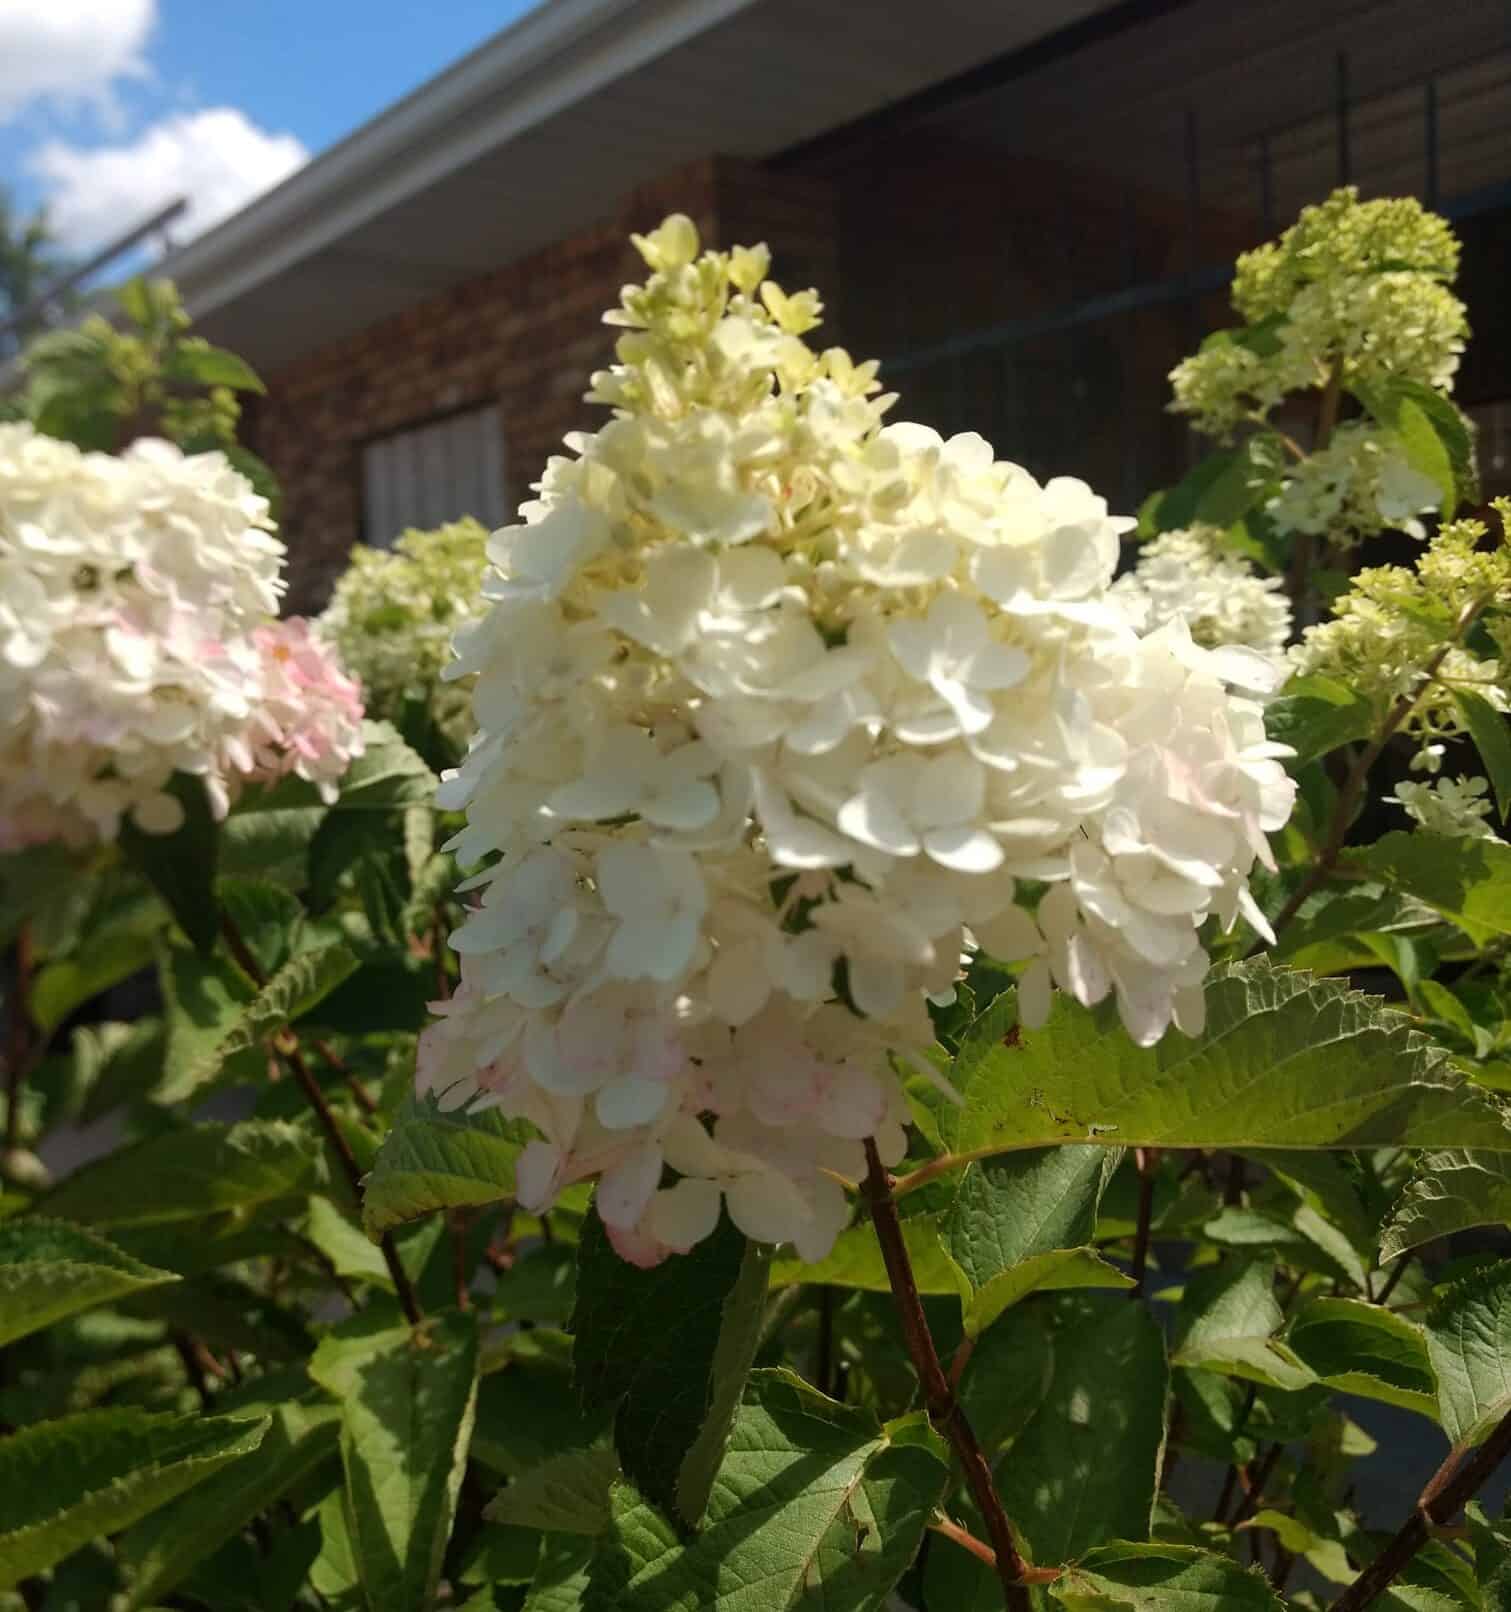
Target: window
<point>433,474</point>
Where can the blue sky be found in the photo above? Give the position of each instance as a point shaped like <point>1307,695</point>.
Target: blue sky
<point>108,108</point>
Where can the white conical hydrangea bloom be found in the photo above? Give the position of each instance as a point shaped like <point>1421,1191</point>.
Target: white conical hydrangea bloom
<point>137,640</point>
<point>777,706</point>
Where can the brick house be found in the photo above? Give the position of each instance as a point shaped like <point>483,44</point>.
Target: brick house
<point>1025,209</point>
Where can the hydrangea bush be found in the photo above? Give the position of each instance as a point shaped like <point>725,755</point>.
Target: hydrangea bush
<point>888,1045</point>
<point>392,617</point>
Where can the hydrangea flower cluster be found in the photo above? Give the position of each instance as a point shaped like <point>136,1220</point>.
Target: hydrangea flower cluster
<point>393,614</point>
<point>1396,621</point>
<point>1190,573</point>
<point>1357,485</point>
<point>780,709</point>
<point>1456,807</point>
<point>137,640</point>
<point>1357,291</point>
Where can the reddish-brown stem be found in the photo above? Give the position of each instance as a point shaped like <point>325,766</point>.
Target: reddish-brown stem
<point>286,1045</point>
<point>1256,1481</point>
<point>966,1540</point>
<point>342,1068</point>
<point>938,1397</point>
<point>1148,1166</point>
<point>18,1037</point>
<point>1454,1483</point>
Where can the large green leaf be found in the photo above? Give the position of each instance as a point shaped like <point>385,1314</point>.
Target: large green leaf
<point>567,1494</point>
<point>1365,1349</point>
<point>1162,1578</point>
<point>1007,1377</point>
<point>1467,880</point>
<point>1317,714</point>
<point>440,1160</point>
<point>1086,1468</point>
<point>67,1482</point>
<point>1469,1343</point>
<point>110,951</point>
<point>1286,1060</point>
<point>161,1549</point>
<point>1447,1192</point>
<point>387,774</point>
<point>203,365</point>
<point>51,1268</point>
<point>268,837</point>
<point>407,1400</point>
<point>224,1021</point>
<point>1022,1222</point>
<point>675,1387</point>
<point>1437,439</point>
<point>815,1510</point>
<point>181,866</point>
<point>1227,1322</point>
<point>855,1261</point>
<point>561,1580</point>
<point>183,1175</point>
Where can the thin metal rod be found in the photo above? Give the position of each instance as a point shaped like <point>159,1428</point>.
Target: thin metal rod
<point>66,282</point>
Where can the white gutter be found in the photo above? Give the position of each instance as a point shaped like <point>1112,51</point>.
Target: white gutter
<point>549,60</point>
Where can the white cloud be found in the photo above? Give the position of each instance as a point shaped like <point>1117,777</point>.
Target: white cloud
<point>70,50</point>
<point>217,158</point>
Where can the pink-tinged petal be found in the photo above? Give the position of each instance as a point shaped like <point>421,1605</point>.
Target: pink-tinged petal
<point>681,1216</point>
<point>625,1188</point>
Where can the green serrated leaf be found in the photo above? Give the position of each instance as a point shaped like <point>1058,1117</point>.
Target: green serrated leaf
<point>66,1482</point>
<point>110,952</point>
<point>1317,714</point>
<point>1162,1578</point>
<point>407,1399</point>
<point>161,1550</point>
<point>676,1389</point>
<point>561,1580</point>
<point>1436,415</point>
<point>1491,733</point>
<point>387,775</point>
<point>1022,1223</point>
<point>214,1014</point>
<point>1469,1344</point>
<point>188,1174</point>
<point>567,1494</point>
<point>1467,880</point>
<point>855,1261</point>
<point>181,866</point>
<point>1285,1060</point>
<point>263,838</point>
<point>50,1269</point>
<point>1365,1349</point>
<point>1227,1322</point>
<point>1086,1468</point>
<point>1447,1192</point>
<point>1007,1377</point>
<point>440,1160</point>
<point>815,1511</point>
<point>211,366</point>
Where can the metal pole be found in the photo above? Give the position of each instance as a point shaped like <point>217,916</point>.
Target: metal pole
<point>36,309</point>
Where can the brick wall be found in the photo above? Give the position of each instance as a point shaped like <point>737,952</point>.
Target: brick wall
<point>525,337</point>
